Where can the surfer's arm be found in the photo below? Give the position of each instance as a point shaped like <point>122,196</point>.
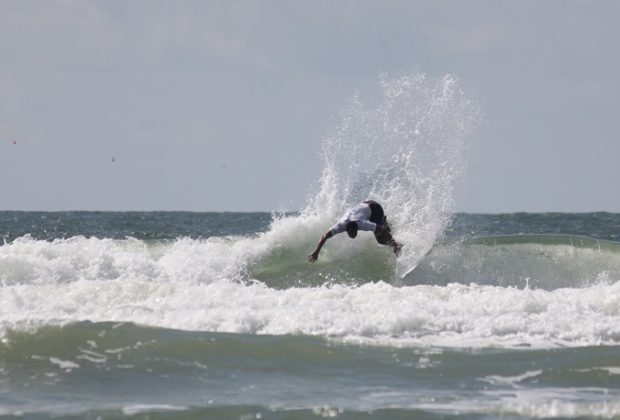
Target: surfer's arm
<point>315,255</point>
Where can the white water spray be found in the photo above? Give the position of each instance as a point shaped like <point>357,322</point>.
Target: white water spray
<point>404,148</point>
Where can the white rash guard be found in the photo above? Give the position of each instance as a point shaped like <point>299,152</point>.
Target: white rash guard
<point>359,214</point>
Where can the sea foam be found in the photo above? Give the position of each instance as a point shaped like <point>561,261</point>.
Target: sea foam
<point>171,286</point>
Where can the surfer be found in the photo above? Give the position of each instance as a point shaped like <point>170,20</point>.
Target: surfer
<point>365,216</point>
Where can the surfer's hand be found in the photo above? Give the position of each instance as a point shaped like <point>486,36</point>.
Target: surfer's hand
<point>313,257</point>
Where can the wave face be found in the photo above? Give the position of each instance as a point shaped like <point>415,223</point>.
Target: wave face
<point>544,261</point>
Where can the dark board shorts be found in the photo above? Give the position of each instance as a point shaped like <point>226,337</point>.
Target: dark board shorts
<point>377,216</point>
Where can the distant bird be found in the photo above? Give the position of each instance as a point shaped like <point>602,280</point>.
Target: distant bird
<point>113,159</point>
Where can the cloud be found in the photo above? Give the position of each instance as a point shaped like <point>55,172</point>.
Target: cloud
<point>249,79</point>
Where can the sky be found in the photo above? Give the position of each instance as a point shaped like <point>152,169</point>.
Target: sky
<point>223,105</point>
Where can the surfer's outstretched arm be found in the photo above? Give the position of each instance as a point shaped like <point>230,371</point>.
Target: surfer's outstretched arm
<point>315,255</point>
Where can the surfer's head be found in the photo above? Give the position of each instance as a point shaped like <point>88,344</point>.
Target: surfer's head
<point>352,229</point>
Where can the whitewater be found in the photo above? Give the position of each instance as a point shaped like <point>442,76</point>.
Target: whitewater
<point>220,315</point>
<point>167,285</point>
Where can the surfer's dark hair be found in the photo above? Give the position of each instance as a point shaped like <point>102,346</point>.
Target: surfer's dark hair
<point>352,229</point>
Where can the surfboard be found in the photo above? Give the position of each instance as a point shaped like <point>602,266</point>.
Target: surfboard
<point>410,270</point>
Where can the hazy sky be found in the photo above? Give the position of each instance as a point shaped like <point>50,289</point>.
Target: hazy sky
<point>223,105</point>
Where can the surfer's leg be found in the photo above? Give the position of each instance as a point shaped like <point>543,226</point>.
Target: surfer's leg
<point>376,213</point>
<point>383,235</point>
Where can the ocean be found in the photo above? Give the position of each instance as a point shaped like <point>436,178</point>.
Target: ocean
<point>215,315</point>
<point>191,315</point>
